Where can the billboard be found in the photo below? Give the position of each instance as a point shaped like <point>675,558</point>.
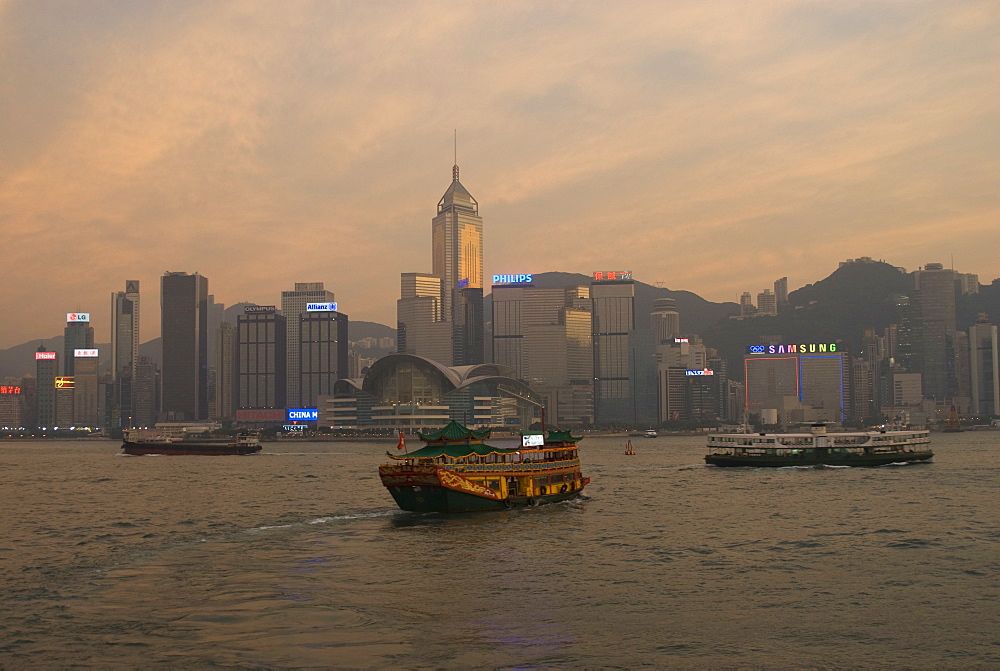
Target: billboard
<point>811,348</point>
<point>77,316</point>
<point>85,353</point>
<point>64,383</point>
<point>512,279</point>
<point>612,274</point>
<point>704,371</point>
<point>259,309</point>
<point>682,340</point>
<point>45,356</point>
<point>5,389</point>
<point>260,415</point>
<point>532,440</point>
<point>303,415</point>
<point>321,307</point>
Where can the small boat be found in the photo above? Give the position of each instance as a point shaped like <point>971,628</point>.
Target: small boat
<point>816,448</point>
<point>143,442</point>
<point>456,471</point>
<point>628,448</point>
<point>650,433</point>
<point>953,424</point>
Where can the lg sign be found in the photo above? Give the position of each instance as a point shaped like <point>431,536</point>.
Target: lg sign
<point>77,316</point>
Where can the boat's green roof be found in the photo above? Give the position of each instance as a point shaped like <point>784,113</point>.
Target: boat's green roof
<point>455,431</point>
<point>561,436</point>
<point>455,451</point>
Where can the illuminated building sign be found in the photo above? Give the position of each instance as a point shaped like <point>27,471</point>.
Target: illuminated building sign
<point>258,309</point>
<point>811,348</point>
<point>77,316</point>
<point>85,353</point>
<point>612,274</point>
<point>321,307</point>
<point>64,383</point>
<point>705,371</point>
<point>512,279</point>
<point>303,415</point>
<point>294,427</point>
<point>41,356</point>
<point>260,415</point>
<point>532,440</point>
<point>10,390</point>
<point>682,340</point>
<point>463,283</point>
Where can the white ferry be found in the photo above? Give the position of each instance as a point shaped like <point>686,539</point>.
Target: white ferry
<point>863,448</point>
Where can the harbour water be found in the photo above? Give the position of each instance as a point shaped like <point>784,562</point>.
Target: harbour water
<point>297,557</point>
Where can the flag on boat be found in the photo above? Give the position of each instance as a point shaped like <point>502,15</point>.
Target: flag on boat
<point>402,441</point>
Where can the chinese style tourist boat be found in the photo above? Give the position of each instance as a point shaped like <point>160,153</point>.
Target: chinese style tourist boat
<point>816,448</point>
<point>953,423</point>
<point>457,472</point>
<point>140,442</point>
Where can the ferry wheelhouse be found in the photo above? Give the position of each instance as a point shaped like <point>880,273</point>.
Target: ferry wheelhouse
<point>864,448</point>
<point>456,471</point>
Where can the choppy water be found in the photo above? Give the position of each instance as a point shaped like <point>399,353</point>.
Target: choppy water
<point>297,558</point>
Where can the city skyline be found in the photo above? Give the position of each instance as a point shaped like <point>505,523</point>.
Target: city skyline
<point>704,148</point>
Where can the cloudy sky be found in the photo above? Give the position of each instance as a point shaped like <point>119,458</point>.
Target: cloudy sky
<point>708,146</point>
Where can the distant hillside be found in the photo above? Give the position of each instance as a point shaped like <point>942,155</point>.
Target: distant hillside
<point>837,309</point>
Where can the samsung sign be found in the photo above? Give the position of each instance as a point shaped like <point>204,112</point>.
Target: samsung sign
<point>811,348</point>
<point>320,307</point>
<point>512,279</point>
<point>77,316</point>
<point>303,415</point>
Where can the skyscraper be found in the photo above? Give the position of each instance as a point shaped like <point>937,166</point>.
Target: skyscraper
<point>984,367</point>
<point>184,329</point>
<point>79,334</point>
<point>261,358</point>
<point>86,410</point>
<point>419,327</point>
<point>124,349</point>
<point>294,304</point>
<point>664,320</point>
<point>225,372</point>
<point>323,348</point>
<point>934,301</point>
<point>457,259</point>
<point>46,370</point>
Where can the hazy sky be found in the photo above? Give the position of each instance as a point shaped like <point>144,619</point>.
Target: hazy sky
<point>708,146</point>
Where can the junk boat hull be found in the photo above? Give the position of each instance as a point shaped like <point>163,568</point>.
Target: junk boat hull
<point>456,472</point>
<point>819,448</point>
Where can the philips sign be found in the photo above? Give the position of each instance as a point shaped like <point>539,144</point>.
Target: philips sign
<point>303,415</point>
<point>77,316</point>
<point>321,307</point>
<point>512,279</point>
<point>704,371</point>
<point>811,348</point>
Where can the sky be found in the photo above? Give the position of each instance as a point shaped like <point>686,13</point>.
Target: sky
<point>707,146</point>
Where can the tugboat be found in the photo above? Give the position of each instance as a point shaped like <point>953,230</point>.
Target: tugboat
<point>457,472</point>
<point>140,442</point>
<point>865,448</point>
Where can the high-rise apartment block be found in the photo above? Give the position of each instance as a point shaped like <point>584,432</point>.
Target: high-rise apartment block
<point>184,328</point>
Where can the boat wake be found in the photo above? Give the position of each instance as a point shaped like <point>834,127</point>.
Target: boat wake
<point>325,520</point>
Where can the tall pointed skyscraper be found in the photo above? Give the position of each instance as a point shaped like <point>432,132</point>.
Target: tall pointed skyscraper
<point>457,249</point>
<point>124,350</point>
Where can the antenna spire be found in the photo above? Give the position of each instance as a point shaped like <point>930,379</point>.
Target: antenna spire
<point>454,168</point>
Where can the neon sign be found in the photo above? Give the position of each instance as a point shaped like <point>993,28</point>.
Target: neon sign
<point>682,340</point>
<point>304,414</point>
<point>612,274</point>
<point>811,348</point>
<point>77,316</point>
<point>64,383</point>
<point>464,283</point>
<point>704,371</point>
<point>85,353</point>
<point>42,356</point>
<point>511,279</point>
<point>321,307</point>
<point>10,390</point>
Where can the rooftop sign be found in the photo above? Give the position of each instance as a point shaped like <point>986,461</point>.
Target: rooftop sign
<point>512,279</point>
<point>85,353</point>
<point>77,316</point>
<point>10,390</point>
<point>44,356</point>
<point>64,383</point>
<point>612,274</point>
<point>258,309</point>
<point>704,371</point>
<point>321,307</point>
<point>303,415</point>
<point>811,348</point>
